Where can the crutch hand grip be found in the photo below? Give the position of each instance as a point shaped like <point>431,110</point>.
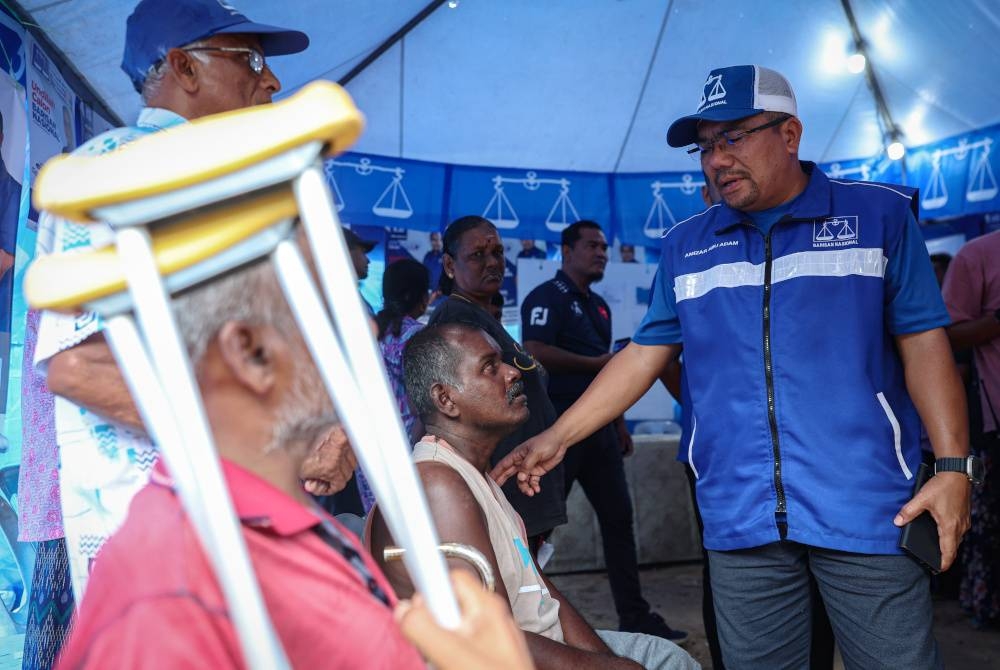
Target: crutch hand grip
<point>455,550</point>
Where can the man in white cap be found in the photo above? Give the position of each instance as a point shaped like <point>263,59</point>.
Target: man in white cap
<point>187,58</point>
<point>812,330</point>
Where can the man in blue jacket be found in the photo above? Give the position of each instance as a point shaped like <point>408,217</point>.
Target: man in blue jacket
<point>812,330</point>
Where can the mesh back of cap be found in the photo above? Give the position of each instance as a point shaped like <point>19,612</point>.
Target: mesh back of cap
<point>770,82</point>
<point>774,93</point>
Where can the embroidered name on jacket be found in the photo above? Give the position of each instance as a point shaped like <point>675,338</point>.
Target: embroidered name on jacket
<point>717,245</point>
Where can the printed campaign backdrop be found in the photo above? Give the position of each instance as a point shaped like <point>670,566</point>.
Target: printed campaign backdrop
<point>956,176</point>
<point>41,117</point>
<point>626,288</point>
<point>388,192</point>
<point>53,106</point>
<point>648,205</point>
<point>529,204</point>
<point>16,233</point>
<point>17,243</point>
<point>88,122</point>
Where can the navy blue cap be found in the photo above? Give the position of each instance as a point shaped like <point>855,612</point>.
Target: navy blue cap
<point>732,93</point>
<point>156,26</point>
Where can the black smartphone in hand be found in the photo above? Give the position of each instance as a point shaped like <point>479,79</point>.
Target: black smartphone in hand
<point>919,538</point>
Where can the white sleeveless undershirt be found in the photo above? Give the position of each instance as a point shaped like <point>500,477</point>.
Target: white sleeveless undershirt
<point>535,610</point>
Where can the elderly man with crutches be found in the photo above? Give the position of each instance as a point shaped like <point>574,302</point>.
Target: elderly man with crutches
<point>206,253</point>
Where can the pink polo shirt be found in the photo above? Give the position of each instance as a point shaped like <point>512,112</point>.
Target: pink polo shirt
<point>972,290</point>
<point>153,600</point>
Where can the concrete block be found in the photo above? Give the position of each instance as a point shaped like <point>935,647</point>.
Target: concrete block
<point>665,526</point>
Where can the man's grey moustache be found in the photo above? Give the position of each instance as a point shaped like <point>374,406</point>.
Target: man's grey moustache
<point>516,389</point>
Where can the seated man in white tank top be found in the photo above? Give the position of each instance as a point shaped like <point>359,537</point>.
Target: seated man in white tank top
<point>469,400</point>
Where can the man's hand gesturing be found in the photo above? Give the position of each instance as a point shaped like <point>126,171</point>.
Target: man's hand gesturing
<point>529,461</point>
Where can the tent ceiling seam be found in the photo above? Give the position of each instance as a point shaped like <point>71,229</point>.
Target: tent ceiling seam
<point>287,90</point>
<point>645,82</point>
<point>42,8</point>
<point>402,90</point>
<point>414,21</point>
<point>840,124</point>
<point>926,98</point>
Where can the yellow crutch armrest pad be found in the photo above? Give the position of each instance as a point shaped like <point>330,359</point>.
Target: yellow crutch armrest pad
<point>209,147</point>
<point>65,282</point>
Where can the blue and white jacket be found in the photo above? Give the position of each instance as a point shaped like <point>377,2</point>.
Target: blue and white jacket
<point>799,410</point>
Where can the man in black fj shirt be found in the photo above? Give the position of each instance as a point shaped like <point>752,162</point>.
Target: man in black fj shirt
<point>567,327</point>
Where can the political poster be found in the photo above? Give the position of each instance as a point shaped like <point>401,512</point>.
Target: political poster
<point>626,289</point>
<point>52,103</point>
<point>17,238</point>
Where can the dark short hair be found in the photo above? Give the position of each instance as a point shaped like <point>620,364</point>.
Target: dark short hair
<point>457,229</point>
<point>404,286</point>
<point>429,358</point>
<point>571,233</point>
<point>941,258</point>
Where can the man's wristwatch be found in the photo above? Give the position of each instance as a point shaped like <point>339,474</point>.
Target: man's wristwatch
<point>971,466</point>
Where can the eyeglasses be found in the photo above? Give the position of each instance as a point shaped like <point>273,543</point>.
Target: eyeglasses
<point>255,58</point>
<point>733,137</point>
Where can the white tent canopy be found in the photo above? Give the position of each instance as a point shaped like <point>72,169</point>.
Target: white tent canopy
<point>591,85</point>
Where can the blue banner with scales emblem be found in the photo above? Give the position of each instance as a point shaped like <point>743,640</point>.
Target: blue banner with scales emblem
<point>530,204</point>
<point>956,176</point>
<point>388,192</point>
<point>647,205</point>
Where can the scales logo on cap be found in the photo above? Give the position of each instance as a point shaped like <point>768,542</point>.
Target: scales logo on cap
<point>228,7</point>
<point>716,95</point>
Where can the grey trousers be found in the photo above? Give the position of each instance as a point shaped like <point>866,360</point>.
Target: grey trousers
<point>879,606</point>
<point>651,652</point>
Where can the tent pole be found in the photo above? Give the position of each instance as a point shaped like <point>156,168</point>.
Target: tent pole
<point>880,103</point>
<point>390,41</point>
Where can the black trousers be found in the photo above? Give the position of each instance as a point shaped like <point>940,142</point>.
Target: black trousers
<point>596,463</point>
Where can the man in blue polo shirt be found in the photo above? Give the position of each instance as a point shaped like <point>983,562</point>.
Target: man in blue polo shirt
<point>567,327</point>
<point>811,325</point>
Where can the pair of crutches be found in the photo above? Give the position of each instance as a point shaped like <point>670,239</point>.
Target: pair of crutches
<point>190,204</point>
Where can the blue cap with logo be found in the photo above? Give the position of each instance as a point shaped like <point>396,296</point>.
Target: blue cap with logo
<point>156,26</point>
<point>733,93</point>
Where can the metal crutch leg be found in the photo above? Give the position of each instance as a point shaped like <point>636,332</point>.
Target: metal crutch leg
<point>232,568</point>
<point>416,531</point>
<point>385,471</point>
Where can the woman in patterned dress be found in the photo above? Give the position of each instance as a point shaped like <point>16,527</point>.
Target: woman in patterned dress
<point>405,287</point>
